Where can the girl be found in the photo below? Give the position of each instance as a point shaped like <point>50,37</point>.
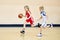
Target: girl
<point>29,18</point>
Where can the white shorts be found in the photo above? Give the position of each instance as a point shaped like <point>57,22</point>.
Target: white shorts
<point>44,21</point>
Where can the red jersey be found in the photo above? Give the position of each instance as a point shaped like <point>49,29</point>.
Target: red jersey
<point>29,18</point>
<point>28,14</point>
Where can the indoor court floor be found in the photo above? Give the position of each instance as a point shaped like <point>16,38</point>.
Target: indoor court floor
<point>13,33</point>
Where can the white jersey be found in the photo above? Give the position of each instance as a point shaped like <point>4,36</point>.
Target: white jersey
<point>43,14</point>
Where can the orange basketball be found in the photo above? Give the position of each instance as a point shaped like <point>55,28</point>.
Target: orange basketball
<point>20,15</point>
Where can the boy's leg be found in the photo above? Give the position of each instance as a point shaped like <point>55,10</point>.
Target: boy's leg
<point>40,34</point>
<point>42,26</point>
<point>41,30</point>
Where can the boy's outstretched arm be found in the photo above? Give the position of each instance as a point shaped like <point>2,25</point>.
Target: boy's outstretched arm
<point>40,18</point>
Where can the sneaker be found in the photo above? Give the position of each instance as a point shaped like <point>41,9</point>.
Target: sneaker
<point>39,35</point>
<point>23,32</point>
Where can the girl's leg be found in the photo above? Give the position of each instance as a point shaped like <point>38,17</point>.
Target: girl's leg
<point>23,29</point>
<point>31,23</point>
<point>24,25</point>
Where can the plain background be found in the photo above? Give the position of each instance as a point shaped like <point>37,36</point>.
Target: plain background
<point>9,10</point>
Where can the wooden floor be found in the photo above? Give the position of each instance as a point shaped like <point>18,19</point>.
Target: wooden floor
<point>31,34</point>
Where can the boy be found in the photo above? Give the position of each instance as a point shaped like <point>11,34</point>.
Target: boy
<point>43,16</point>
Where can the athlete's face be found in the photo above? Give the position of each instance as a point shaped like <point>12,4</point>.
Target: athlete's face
<point>26,9</point>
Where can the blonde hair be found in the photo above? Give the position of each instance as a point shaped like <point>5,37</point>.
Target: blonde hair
<point>26,6</point>
<point>41,7</point>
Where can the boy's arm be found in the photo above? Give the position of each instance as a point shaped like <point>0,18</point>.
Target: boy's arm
<point>40,18</point>
<point>47,16</point>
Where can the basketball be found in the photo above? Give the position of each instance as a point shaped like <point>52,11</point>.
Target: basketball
<point>20,15</point>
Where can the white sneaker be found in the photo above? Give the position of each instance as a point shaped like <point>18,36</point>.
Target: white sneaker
<point>39,35</point>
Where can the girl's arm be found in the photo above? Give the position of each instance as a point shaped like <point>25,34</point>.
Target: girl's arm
<point>24,15</point>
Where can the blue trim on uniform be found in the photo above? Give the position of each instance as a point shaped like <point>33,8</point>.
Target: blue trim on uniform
<point>42,12</point>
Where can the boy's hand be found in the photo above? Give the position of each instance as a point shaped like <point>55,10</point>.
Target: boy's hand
<point>39,18</point>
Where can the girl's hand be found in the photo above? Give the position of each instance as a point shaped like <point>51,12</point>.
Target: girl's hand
<point>24,16</point>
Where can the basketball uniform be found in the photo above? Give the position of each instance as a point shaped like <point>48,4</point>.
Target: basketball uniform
<point>43,14</point>
<point>29,18</point>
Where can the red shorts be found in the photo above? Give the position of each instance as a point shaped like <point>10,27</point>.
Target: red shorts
<point>30,20</point>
